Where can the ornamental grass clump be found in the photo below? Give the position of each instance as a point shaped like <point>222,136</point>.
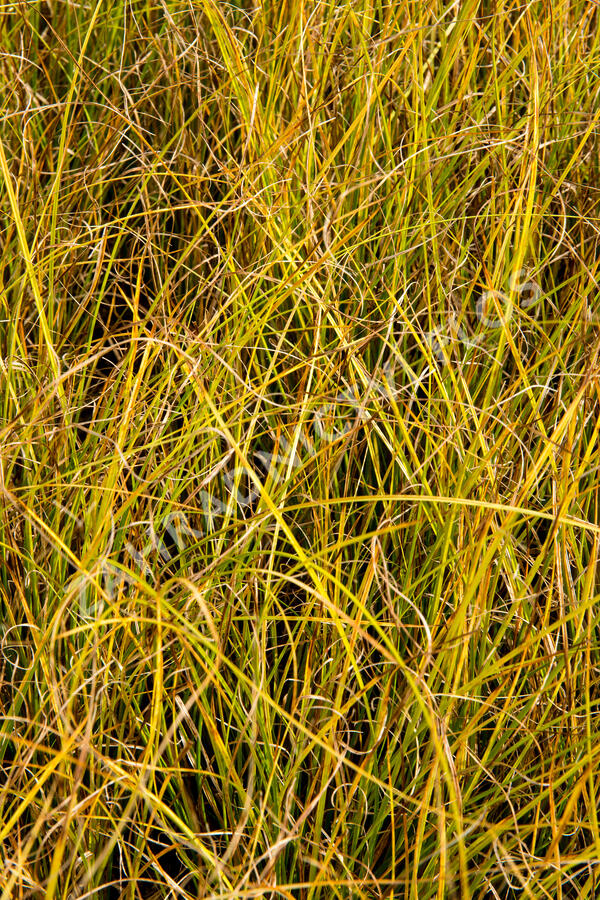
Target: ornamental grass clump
<point>299,450</point>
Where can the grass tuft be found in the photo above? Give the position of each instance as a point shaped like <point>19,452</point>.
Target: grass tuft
<point>299,506</point>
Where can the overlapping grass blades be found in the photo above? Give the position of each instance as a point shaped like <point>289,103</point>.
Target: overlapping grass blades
<point>299,450</point>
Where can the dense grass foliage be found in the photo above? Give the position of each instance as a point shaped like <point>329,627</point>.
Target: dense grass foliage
<point>299,458</point>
